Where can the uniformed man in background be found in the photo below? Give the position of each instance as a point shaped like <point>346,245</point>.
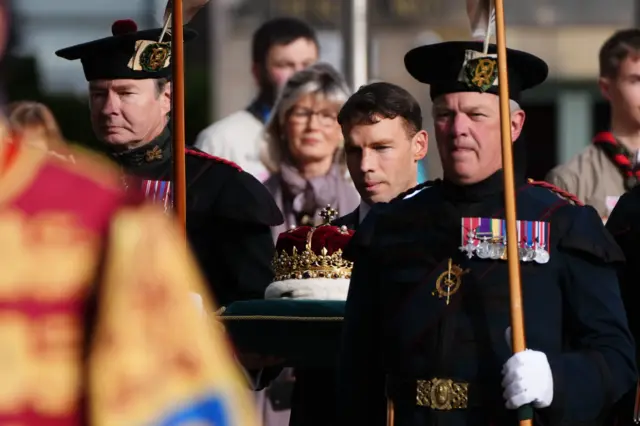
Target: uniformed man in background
<point>229,212</point>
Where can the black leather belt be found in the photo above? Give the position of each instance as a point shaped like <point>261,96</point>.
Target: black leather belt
<point>436,393</point>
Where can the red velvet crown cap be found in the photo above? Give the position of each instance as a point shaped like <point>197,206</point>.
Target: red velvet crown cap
<point>332,238</point>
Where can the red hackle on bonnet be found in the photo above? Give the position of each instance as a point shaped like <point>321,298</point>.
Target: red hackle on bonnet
<point>124,26</point>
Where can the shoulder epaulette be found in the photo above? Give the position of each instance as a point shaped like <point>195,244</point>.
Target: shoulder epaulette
<point>202,154</point>
<point>558,191</point>
<point>415,189</point>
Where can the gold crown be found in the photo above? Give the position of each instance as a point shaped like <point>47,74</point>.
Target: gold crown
<point>308,264</point>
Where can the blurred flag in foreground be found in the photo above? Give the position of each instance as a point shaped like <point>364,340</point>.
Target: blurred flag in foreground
<point>155,359</point>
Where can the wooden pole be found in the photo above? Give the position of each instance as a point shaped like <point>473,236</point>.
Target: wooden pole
<point>390,413</point>
<point>178,131</point>
<point>515,290</point>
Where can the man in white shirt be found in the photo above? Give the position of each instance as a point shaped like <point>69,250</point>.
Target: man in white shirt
<point>384,142</point>
<point>280,48</point>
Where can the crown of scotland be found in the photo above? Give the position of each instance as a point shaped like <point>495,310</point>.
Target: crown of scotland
<point>313,252</point>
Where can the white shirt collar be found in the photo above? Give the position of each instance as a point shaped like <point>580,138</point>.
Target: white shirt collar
<point>363,209</point>
<point>414,193</point>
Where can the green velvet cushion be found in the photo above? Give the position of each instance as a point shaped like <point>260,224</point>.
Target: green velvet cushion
<point>305,333</point>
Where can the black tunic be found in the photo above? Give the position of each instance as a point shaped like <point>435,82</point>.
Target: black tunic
<point>624,226</point>
<point>229,215</point>
<point>397,329</point>
<point>350,220</point>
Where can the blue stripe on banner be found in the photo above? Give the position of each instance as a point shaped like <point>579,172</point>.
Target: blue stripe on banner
<point>211,410</point>
<point>529,232</point>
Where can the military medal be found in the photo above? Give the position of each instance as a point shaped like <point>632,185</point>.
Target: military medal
<point>158,192</point>
<point>483,251</point>
<point>541,255</point>
<point>542,232</point>
<point>489,239</point>
<point>469,247</point>
<point>526,253</point>
<point>448,283</point>
<point>496,248</point>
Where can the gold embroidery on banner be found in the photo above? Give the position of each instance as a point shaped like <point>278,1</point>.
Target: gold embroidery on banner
<point>46,256</point>
<point>47,261</point>
<point>24,368</point>
<point>57,364</point>
<point>17,376</point>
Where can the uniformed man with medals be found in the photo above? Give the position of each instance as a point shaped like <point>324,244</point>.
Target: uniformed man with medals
<point>229,212</point>
<point>428,306</point>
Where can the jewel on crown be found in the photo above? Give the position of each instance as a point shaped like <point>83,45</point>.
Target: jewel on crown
<point>313,252</point>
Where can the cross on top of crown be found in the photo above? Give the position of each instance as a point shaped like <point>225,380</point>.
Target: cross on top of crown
<point>328,214</point>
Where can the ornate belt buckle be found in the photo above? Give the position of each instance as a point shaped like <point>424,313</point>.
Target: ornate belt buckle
<point>442,394</point>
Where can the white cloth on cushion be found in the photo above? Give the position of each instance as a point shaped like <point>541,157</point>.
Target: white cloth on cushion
<point>309,289</point>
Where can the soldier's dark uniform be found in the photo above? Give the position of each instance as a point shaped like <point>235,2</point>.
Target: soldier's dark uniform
<point>229,213</point>
<point>624,226</point>
<point>400,334</point>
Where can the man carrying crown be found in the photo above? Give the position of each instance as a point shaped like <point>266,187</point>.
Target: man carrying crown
<point>299,324</point>
<point>428,308</point>
<point>384,140</point>
<point>229,213</point>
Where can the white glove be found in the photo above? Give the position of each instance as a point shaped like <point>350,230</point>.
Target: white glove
<point>527,379</point>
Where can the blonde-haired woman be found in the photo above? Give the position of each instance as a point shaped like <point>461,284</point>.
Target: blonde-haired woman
<point>37,126</point>
<point>304,148</point>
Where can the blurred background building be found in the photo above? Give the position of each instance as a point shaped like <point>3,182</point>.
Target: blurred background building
<point>562,115</point>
